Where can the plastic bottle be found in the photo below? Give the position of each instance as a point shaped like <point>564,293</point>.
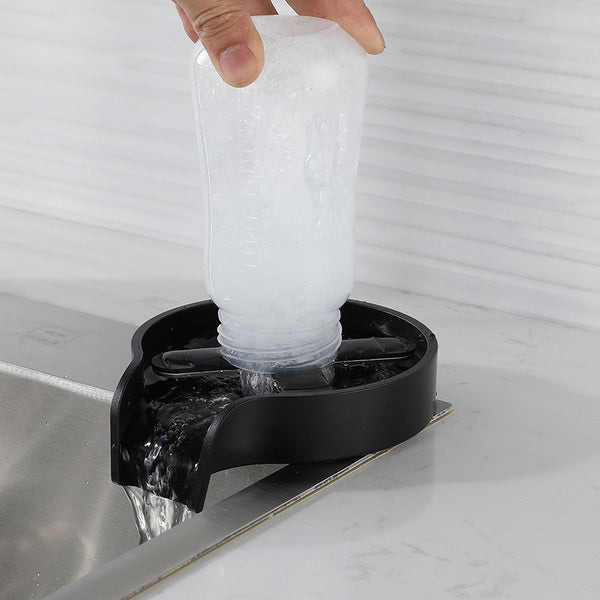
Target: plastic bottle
<point>280,159</point>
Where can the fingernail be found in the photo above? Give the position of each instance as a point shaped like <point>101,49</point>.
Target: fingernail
<point>239,65</point>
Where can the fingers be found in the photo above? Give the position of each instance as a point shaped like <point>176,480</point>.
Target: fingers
<point>187,24</point>
<point>352,15</point>
<point>226,30</point>
<point>227,33</point>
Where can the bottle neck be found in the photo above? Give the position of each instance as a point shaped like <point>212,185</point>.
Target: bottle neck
<point>301,342</point>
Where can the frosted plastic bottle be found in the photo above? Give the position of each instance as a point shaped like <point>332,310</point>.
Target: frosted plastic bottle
<point>280,159</point>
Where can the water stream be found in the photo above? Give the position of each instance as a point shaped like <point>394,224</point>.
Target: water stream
<point>180,415</point>
<point>154,514</point>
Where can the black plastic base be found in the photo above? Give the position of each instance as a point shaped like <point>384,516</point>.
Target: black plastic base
<point>372,400</point>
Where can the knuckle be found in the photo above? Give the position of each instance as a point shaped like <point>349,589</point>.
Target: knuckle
<point>215,21</point>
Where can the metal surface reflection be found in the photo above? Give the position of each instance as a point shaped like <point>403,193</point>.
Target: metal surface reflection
<point>61,516</point>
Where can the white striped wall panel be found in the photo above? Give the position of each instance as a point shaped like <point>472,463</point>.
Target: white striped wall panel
<point>480,169</point>
<point>479,177</point>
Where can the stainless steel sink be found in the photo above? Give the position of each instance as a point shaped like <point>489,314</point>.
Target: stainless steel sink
<point>61,515</point>
<point>67,530</point>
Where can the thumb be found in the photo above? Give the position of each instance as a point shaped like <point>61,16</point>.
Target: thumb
<point>227,33</point>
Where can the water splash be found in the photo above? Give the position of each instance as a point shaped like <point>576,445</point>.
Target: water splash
<point>257,383</point>
<point>153,514</point>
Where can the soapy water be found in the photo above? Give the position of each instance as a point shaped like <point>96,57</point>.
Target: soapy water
<point>177,416</point>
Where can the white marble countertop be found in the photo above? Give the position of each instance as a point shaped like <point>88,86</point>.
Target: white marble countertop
<point>500,500</point>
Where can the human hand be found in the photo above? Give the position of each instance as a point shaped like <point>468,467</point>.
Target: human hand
<point>233,44</point>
